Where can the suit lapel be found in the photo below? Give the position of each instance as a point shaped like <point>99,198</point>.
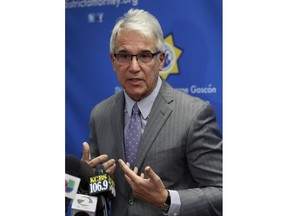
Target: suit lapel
<point>159,114</point>
<point>117,119</point>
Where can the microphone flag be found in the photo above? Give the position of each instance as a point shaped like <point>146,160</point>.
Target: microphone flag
<point>71,186</point>
<point>84,205</point>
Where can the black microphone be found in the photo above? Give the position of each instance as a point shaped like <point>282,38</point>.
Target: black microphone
<point>85,173</point>
<point>72,169</point>
<point>83,204</point>
<point>102,186</point>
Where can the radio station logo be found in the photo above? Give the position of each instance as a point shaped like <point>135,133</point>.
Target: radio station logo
<point>84,201</point>
<point>172,56</point>
<point>102,183</point>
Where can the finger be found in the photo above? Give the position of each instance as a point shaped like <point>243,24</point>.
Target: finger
<point>123,166</point>
<point>135,170</point>
<point>98,160</point>
<point>86,152</point>
<point>128,180</point>
<point>109,166</point>
<point>127,171</point>
<point>111,169</point>
<point>151,174</point>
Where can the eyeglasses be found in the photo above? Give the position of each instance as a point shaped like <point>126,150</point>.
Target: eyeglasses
<point>144,57</point>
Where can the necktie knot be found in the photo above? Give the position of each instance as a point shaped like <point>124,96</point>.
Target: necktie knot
<point>135,109</point>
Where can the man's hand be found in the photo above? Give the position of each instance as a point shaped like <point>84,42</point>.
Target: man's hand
<point>150,189</point>
<point>109,165</point>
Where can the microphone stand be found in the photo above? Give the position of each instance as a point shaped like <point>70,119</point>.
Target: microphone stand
<point>102,208</point>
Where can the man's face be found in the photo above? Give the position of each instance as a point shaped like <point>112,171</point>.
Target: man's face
<point>137,78</point>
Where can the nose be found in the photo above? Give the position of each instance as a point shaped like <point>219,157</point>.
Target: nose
<point>134,65</point>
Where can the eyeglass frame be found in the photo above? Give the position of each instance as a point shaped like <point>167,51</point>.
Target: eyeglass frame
<point>131,57</point>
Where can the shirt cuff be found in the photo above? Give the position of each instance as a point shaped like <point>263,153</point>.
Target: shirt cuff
<point>175,205</point>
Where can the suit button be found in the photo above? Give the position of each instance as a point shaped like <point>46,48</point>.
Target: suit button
<point>131,202</point>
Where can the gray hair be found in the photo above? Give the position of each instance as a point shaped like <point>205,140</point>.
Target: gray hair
<point>140,21</point>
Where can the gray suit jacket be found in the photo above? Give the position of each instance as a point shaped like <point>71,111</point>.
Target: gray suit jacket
<point>181,143</point>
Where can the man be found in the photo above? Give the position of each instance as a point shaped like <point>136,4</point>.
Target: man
<point>177,167</point>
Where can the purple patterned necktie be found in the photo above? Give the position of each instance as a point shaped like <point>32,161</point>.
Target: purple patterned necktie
<point>133,135</point>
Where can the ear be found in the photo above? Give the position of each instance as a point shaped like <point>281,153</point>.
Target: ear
<point>162,60</point>
<point>112,58</point>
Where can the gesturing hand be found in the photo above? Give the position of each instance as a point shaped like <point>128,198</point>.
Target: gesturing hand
<point>109,165</point>
<point>150,189</point>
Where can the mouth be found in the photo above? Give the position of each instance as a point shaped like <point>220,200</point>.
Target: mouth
<point>135,81</point>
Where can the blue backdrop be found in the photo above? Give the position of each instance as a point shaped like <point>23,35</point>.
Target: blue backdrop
<point>193,39</point>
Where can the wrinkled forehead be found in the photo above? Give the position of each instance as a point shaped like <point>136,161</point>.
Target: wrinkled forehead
<point>148,35</point>
<point>131,39</point>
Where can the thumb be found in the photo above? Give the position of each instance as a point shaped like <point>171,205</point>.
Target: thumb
<point>86,152</point>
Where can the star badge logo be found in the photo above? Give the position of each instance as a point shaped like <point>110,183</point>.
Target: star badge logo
<point>172,55</point>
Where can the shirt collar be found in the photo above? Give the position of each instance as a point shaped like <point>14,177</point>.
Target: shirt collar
<point>145,105</point>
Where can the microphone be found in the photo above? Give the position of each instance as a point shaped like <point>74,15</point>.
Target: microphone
<point>102,186</point>
<point>84,205</point>
<point>102,183</point>
<point>72,167</point>
<point>85,173</point>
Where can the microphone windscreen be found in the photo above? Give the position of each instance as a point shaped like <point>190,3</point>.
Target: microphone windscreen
<point>72,165</point>
<point>85,173</point>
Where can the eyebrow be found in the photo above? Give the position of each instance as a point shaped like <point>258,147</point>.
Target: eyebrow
<point>142,51</point>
